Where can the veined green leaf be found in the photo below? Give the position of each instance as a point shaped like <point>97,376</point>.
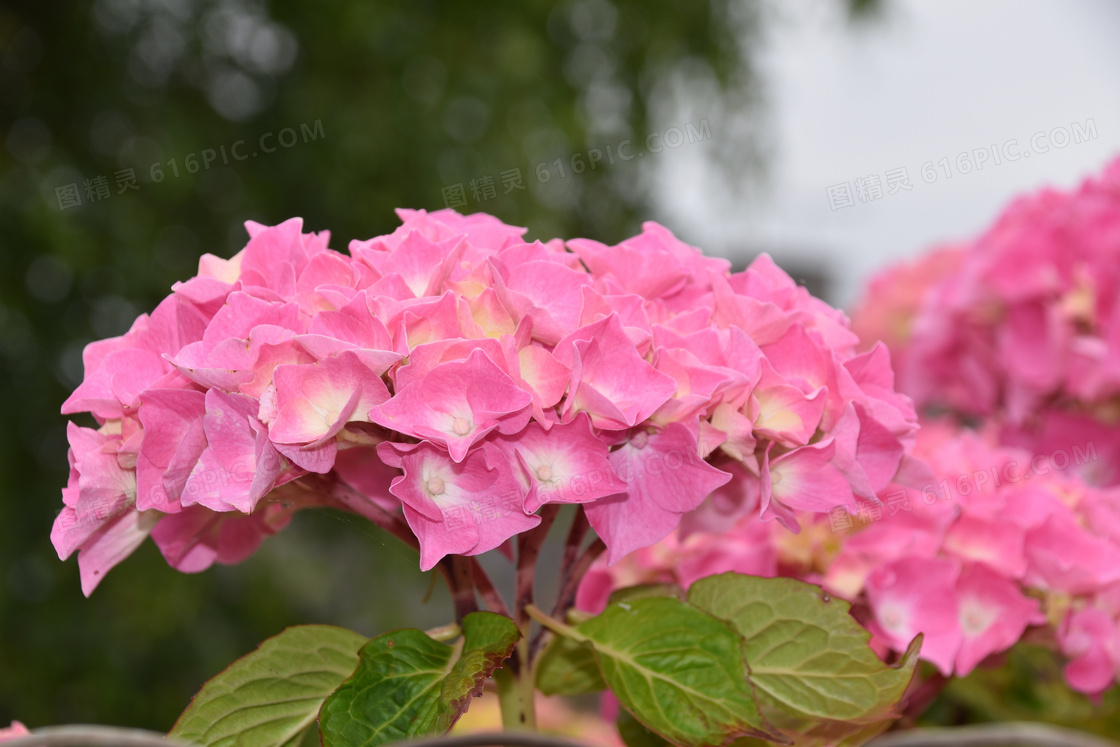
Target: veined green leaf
<point>409,685</point>
<point>807,655</point>
<point>679,670</point>
<point>567,667</point>
<point>269,698</point>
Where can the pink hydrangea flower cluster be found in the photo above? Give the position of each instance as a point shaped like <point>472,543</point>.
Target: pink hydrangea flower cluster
<point>454,373</point>
<point>1022,323</point>
<point>998,541</point>
<point>895,298</point>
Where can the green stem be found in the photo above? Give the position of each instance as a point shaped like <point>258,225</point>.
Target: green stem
<point>509,699</point>
<point>527,686</point>
<point>553,624</point>
<point>445,633</point>
<point>516,694</point>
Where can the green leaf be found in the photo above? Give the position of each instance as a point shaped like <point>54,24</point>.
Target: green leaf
<point>270,697</point>
<point>567,667</point>
<point>828,734</point>
<point>409,685</point>
<point>634,734</point>
<point>642,591</point>
<point>679,670</point>
<point>808,657</point>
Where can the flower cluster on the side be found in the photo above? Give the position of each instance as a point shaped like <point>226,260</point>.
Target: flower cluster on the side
<point>455,373</point>
<point>971,570</point>
<point>1021,324</point>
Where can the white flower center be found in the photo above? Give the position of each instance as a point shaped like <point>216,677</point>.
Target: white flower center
<point>461,426</point>
<point>435,485</point>
<point>544,473</point>
<point>975,619</point>
<point>892,619</point>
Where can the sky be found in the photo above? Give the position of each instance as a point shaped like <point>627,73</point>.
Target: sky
<point>926,81</point>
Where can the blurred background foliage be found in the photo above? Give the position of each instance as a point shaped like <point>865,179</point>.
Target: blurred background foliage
<point>1024,683</point>
<point>389,104</point>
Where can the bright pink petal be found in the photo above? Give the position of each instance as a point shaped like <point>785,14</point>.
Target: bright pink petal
<point>661,477</point>
<point>918,595</point>
<point>456,404</point>
<point>174,440</point>
<point>993,614</point>
<point>610,381</point>
<point>314,402</point>
<point>565,464</point>
<point>464,508</point>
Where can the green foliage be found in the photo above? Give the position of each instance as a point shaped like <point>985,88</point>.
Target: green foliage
<point>634,734</point>
<point>567,667</point>
<point>272,696</point>
<point>815,676</point>
<point>409,685</point>
<point>808,656</point>
<point>679,670</point>
<point>642,591</point>
<point>742,658</point>
<point>1025,684</point>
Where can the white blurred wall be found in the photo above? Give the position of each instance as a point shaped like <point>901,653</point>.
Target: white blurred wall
<point>928,80</point>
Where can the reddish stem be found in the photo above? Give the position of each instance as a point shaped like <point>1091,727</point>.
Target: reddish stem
<point>486,590</point>
<point>528,550</point>
<point>574,567</point>
<point>573,543</point>
<point>457,570</point>
<point>567,596</point>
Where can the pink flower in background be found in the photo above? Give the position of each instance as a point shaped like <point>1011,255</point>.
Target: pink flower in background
<point>1020,325</point>
<point>896,296</point>
<point>14,731</point>
<point>1090,639</point>
<point>992,615</point>
<point>917,595</point>
<point>462,380</point>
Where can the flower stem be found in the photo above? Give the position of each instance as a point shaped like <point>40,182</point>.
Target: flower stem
<point>457,570</point>
<point>517,691</point>
<point>527,686</point>
<point>486,590</point>
<point>567,596</point>
<point>346,497</point>
<point>445,633</point>
<point>528,550</point>
<point>514,717</point>
<point>554,625</point>
<point>573,543</point>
